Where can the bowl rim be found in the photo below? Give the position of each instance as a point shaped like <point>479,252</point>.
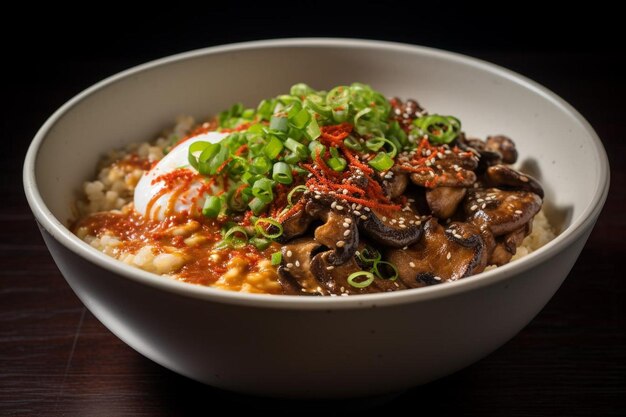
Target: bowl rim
<point>572,233</point>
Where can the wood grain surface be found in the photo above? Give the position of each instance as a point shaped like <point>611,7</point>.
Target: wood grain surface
<point>57,359</point>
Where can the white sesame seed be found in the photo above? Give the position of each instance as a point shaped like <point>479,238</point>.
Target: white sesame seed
<point>474,207</point>
<point>364,217</point>
<point>437,278</point>
<point>345,191</point>
<point>328,268</point>
<point>341,244</point>
<point>289,253</point>
<point>290,265</point>
<point>347,220</point>
<point>297,263</point>
<point>333,204</point>
<point>479,200</point>
<point>458,236</point>
<point>342,289</point>
<point>346,233</point>
<point>484,205</point>
<point>412,264</point>
<point>405,248</point>
<point>523,178</point>
<point>357,213</point>
<point>448,256</point>
<point>317,197</point>
<point>518,211</point>
<point>384,218</point>
<point>338,207</point>
<point>346,225</point>
<point>367,209</point>
<point>402,226</point>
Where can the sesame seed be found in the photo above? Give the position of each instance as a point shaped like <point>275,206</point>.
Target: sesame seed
<point>412,264</point>
<point>345,191</point>
<point>437,278</point>
<point>518,211</point>
<point>479,200</point>
<point>484,205</point>
<point>328,268</point>
<point>405,248</point>
<point>367,209</point>
<point>458,236</point>
<point>474,207</point>
<point>346,225</point>
<point>523,178</point>
<point>384,218</point>
<point>402,225</point>
<point>364,217</point>
<point>346,233</point>
<point>342,289</point>
<point>448,256</point>
<point>289,253</point>
<point>297,263</point>
<point>357,213</point>
<point>341,244</point>
<point>290,265</point>
<point>333,204</point>
<point>347,220</point>
<point>338,207</point>
<point>317,196</point>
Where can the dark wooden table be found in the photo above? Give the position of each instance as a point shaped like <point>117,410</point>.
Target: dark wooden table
<point>57,359</point>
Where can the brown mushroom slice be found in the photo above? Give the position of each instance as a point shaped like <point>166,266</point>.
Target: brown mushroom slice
<point>506,246</point>
<point>503,145</point>
<point>339,232</point>
<point>395,229</point>
<point>501,211</point>
<point>443,201</point>
<point>334,278</point>
<point>396,185</point>
<point>488,157</point>
<point>502,175</point>
<point>447,169</point>
<point>294,272</point>
<point>443,254</point>
<point>296,224</point>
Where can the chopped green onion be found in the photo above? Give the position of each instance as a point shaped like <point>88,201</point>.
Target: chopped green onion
<point>292,158</point>
<point>381,162</point>
<point>273,147</point>
<point>278,123</point>
<point>236,237</point>
<point>260,243</point>
<point>352,143</point>
<point>236,201</point>
<point>260,165</point>
<point>258,226</point>
<point>318,105</point>
<point>375,144</point>
<point>257,205</point>
<point>369,278</point>
<point>312,131</point>
<point>337,164</point>
<point>262,189</point>
<point>369,255</point>
<point>277,258</point>
<point>212,206</point>
<point>388,271</point>
<point>314,146</point>
<point>300,119</point>
<point>440,129</point>
<point>294,190</point>
<point>296,147</point>
<point>282,173</point>
<point>300,90</point>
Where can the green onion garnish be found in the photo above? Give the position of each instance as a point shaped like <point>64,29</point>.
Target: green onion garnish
<point>369,255</point>
<point>439,129</point>
<point>375,144</point>
<point>277,258</point>
<point>282,173</point>
<point>381,162</point>
<point>212,206</point>
<point>273,148</point>
<point>260,229</point>
<point>352,279</point>
<point>296,147</point>
<point>294,190</point>
<point>260,243</point>
<point>385,270</point>
<point>257,205</point>
<point>236,237</point>
<point>262,189</point>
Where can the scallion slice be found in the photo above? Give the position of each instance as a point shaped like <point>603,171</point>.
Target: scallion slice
<point>262,189</point>
<point>381,162</point>
<point>277,258</point>
<point>295,190</point>
<point>273,147</point>
<point>212,206</point>
<point>282,173</point>
<point>367,279</point>
<point>260,229</point>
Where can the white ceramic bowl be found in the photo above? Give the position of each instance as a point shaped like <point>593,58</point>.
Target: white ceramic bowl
<point>316,347</point>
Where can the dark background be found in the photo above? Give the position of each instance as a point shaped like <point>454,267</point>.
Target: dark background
<point>57,359</point>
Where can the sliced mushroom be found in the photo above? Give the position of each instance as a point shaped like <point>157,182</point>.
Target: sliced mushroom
<point>339,232</point>
<point>447,169</point>
<point>441,255</point>
<point>502,175</point>
<point>395,229</point>
<point>501,211</point>
<point>396,185</point>
<point>334,278</point>
<point>488,157</point>
<point>296,224</point>
<point>504,145</point>
<point>294,272</point>
<point>443,201</point>
<point>506,246</point>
